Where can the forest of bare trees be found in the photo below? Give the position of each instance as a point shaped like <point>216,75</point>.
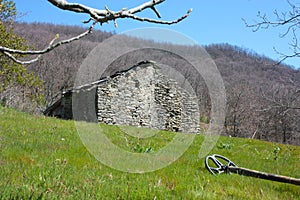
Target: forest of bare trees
<point>262,98</point>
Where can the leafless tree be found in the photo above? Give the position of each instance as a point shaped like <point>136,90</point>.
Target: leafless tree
<point>280,111</point>
<point>289,20</point>
<point>96,16</point>
<point>240,119</point>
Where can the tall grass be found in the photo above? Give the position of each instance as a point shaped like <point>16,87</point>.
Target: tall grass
<point>44,158</point>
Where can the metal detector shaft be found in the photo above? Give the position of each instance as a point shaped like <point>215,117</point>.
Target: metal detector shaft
<point>218,164</point>
<point>262,175</point>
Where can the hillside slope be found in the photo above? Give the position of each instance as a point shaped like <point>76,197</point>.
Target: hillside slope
<point>259,95</point>
<point>43,158</point>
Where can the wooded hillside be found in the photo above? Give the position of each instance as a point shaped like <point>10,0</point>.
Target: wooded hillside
<point>262,98</point>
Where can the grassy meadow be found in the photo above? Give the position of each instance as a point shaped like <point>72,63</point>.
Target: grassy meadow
<point>44,158</point>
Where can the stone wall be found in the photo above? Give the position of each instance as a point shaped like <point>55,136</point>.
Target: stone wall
<point>144,97</point>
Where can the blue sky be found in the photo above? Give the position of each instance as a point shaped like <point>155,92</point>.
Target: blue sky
<point>212,21</point>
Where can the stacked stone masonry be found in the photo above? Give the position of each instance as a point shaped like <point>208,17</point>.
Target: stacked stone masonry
<point>144,97</point>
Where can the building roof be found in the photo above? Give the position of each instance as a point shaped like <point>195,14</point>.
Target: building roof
<point>92,85</point>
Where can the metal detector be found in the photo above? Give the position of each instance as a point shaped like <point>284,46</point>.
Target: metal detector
<point>222,164</point>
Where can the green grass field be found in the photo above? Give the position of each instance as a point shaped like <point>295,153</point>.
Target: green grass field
<point>44,158</point>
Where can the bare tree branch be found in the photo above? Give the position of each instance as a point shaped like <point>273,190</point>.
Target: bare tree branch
<point>103,16</point>
<point>289,20</point>
<point>8,52</point>
<point>283,102</point>
<point>285,56</point>
<point>97,16</point>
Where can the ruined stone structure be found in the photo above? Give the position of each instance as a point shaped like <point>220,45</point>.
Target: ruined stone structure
<point>142,96</point>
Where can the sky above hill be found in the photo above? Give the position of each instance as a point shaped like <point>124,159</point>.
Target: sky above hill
<point>212,21</point>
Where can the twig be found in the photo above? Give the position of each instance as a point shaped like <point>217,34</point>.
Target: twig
<point>290,20</point>
<point>97,16</point>
<point>8,52</point>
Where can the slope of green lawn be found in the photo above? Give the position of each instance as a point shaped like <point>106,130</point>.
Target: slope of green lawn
<point>44,158</point>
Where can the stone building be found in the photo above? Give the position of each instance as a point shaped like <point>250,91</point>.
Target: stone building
<point>140,96</point>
